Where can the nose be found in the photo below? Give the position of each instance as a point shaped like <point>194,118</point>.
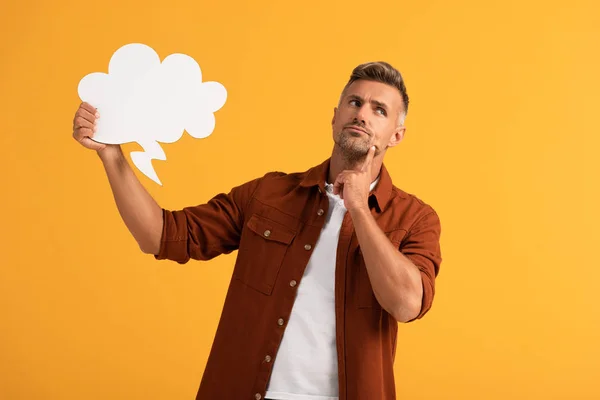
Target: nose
<point>361,115</point>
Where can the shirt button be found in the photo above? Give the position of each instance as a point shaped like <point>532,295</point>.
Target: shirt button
<point>307,247</point>
<point>268,358</point>
<point>320,212</point>
<point>293,283</point>
<point>280,322</point>
<point>257,396</point>
<point>267,233</point>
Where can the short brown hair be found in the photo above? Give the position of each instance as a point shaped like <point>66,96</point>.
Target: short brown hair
<point>383,72</point>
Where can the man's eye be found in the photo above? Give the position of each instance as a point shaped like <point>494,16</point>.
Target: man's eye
<point>381,111</point>
<point>355,103</point>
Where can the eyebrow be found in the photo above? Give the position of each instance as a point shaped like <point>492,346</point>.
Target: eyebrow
<point>377,103</point>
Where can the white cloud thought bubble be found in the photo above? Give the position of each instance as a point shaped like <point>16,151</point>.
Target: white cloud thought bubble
<point>143,100</point>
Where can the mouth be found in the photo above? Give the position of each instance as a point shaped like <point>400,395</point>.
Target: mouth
<point>357,130</point>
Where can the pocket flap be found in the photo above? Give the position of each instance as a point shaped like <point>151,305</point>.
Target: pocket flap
<point>270,230</point>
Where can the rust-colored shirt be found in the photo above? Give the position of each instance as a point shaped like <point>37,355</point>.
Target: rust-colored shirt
<point>274,221</point>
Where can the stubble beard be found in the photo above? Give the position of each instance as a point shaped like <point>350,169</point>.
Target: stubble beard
<point>353,149</point>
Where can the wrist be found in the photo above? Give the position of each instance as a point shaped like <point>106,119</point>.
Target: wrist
<point>360,212</point>
<point>110,154</point>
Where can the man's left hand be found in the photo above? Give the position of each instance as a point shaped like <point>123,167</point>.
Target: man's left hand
<point>354,185</point>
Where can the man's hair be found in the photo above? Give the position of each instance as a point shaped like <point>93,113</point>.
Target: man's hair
<point>383,72</point>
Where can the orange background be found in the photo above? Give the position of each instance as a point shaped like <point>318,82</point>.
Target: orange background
<point>502,139</point>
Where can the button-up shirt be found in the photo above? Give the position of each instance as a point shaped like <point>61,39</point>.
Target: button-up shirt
<point>306,365</point>
<point>274,222</point>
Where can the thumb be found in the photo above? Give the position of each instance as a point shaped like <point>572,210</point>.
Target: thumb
<point>91,144</point>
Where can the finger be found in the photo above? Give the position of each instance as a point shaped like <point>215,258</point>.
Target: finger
<point>90,144</point>
<point>336,187</point>
<point>82,137</point>
<point>339,182</point>
<point>369,159</point>
<point>85,114</point>
<point>89,108</point>
<point>81,133</point>
<point>81,122</point>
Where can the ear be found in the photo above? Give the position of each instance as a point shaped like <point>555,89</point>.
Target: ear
<point>334,114</point>
<point>397,136</point>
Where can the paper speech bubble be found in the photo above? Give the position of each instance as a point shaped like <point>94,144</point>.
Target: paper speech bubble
<point>145,101</point>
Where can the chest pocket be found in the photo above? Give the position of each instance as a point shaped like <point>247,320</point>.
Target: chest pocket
<point>263,247</point>
<point>366,296</point>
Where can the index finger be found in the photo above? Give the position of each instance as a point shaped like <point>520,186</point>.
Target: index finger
<point>88,107</point>
<point>369,159</point>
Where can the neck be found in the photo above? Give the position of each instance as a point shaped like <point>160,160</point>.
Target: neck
<point>341,162</point>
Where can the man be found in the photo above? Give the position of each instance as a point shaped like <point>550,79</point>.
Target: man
<point>329,259</point>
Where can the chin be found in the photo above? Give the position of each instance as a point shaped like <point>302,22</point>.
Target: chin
<point>355,152</point>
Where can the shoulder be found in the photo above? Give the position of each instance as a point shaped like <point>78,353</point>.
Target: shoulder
<point>414,207</point>
<point>411,198</point>
<point>282,180</point>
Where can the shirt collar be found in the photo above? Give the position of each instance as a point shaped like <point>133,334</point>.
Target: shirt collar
<point>317,176</point>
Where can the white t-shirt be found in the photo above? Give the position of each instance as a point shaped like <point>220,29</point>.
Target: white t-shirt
<point>306,366</point>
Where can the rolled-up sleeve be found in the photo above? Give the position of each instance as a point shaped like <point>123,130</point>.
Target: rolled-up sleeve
<point>422,247</point>
<point>204,231</point>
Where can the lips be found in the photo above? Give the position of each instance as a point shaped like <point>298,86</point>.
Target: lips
<point>357,129</point>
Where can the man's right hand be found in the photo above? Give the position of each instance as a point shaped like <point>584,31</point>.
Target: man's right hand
<point>140,212</point>
<point>84,127</point>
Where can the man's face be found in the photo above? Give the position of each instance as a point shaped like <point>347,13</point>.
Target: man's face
<point>368,114</point>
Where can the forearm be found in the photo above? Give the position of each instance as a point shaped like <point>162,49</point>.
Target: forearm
<point>396,281</point>
<point>140,212</point>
